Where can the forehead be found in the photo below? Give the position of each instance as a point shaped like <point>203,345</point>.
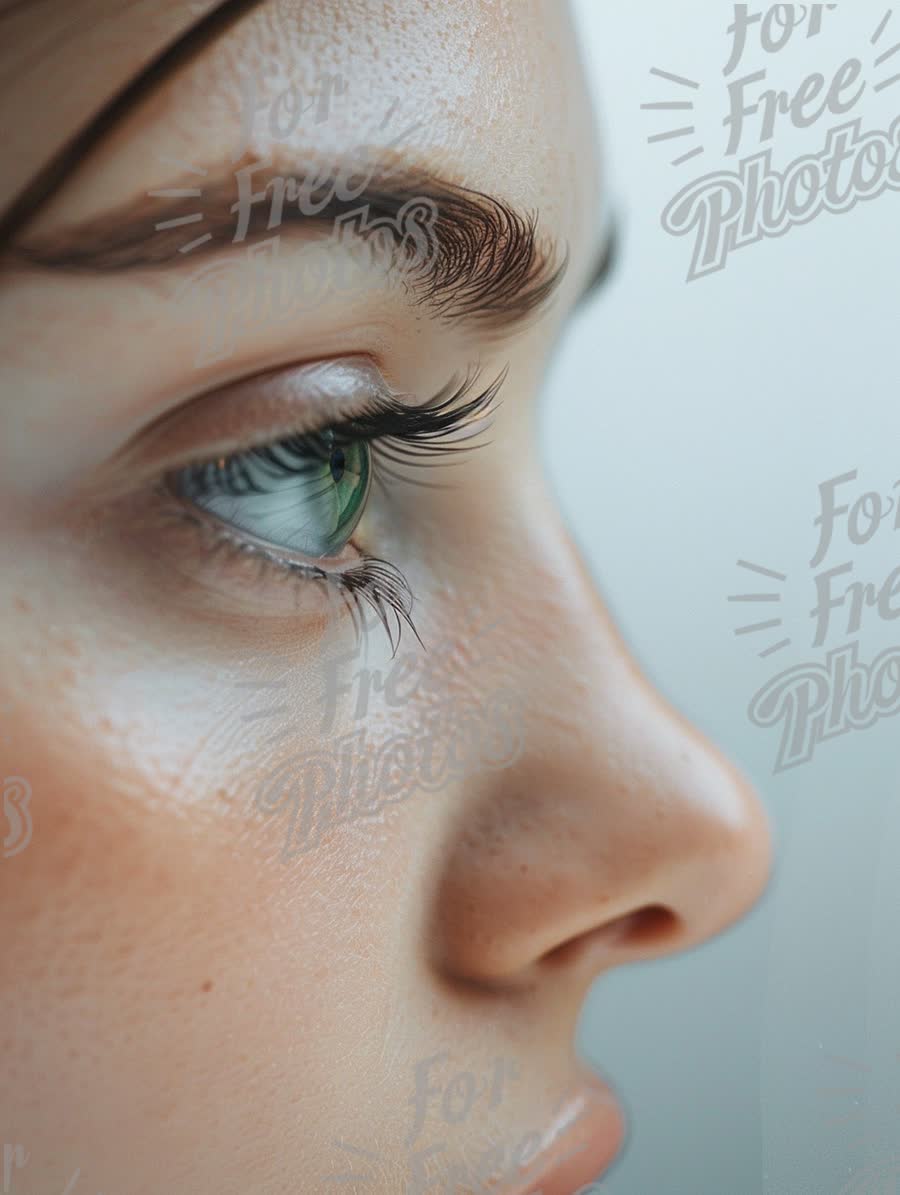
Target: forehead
<point>487,93</point>
<point>495,84</point>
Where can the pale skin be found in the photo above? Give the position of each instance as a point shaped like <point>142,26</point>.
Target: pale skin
<point>186,1010</point>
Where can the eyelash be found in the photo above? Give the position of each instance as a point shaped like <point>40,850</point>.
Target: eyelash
<point>397,434</point>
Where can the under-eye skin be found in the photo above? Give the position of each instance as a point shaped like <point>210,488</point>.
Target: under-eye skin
<point>295,503</point>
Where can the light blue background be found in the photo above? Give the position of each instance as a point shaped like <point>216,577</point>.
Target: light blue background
<point>686,427</point>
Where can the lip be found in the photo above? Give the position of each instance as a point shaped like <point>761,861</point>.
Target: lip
<point>578,1148</point>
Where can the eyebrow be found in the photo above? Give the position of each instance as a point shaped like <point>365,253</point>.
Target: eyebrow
<point>490,266</point>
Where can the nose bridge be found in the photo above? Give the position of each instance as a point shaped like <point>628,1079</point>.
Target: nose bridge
<point>616,809</point>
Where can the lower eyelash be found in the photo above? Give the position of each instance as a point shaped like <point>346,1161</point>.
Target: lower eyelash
<point>373,581</point>
<point>384,588</point>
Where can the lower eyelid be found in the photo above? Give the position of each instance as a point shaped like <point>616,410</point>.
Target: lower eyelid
<point>355,579</point>
<point>219,535</point>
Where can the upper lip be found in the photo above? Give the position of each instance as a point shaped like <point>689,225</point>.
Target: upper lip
<point>583,1141</point>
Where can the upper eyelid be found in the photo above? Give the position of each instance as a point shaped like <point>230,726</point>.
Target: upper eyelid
<point>197,432</point>
<point>413,431</point>
<point>300,399</point>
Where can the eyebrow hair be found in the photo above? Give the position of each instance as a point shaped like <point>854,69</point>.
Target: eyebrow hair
<point>490,265</point>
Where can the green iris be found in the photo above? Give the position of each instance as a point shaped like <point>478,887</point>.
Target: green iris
<point>305,494</point>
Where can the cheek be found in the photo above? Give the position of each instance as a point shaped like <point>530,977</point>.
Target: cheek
<point>158,970</point>
<point>169,978</point>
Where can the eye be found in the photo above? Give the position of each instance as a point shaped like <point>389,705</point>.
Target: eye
<point>294,503</point>
<point>305,493</point>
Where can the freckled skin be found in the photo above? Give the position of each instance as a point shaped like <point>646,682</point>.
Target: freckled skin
<point>184,1010</point>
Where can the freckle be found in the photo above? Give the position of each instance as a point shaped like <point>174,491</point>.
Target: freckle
<point>207,987</point>
<point>22,605</point>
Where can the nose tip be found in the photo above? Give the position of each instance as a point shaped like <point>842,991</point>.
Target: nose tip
<point>714,850</point>
<point>695,856</point>
<point>644,842</point>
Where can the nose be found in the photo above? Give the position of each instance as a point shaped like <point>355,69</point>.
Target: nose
<point>618,834</point>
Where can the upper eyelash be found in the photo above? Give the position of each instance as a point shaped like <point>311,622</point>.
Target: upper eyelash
<point>397,433</point>
<point>423,429</point>
<point>404,435</point>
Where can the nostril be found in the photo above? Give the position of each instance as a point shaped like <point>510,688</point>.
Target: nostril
<point>649,928</point>
<point>652,926</point>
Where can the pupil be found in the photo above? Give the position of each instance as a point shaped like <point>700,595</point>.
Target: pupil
<point>337,464</point>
